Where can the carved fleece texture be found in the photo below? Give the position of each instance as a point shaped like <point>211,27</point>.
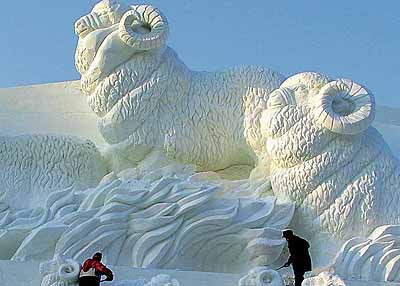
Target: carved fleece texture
<point>346,184</point>
<point>203,118</point>
<point>40,163</point>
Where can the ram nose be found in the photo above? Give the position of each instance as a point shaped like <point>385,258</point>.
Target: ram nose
<point>88,47</point>
<point>111,53</point>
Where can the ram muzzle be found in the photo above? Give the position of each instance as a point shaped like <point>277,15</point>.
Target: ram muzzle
<point>109,41</point>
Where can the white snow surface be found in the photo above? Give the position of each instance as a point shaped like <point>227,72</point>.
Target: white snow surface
<point>27,274</point>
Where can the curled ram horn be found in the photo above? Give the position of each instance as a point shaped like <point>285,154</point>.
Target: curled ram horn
<point>143,28</point>
<point>345,107</point>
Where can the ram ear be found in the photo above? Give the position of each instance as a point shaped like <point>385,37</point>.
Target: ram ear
<point>104,14</point>
<point>344,107</point>
<point>281,97</point>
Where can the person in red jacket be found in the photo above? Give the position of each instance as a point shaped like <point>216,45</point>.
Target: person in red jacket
<point>92,270</point>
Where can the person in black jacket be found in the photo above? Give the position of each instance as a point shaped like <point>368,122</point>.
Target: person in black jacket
<point>299,257</point>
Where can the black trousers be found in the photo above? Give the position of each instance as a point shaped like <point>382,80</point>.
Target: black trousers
<point>298,277</point>
<point>89,281</point>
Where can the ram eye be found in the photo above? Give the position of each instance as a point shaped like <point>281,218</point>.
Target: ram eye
<point>301,91</point>
<point>299,88</point>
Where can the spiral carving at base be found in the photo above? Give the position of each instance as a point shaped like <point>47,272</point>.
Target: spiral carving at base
<point>60,271</point>
<point>262,276</point>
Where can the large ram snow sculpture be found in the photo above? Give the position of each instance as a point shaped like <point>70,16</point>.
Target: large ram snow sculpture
<point>146,98</point>
<point>327,158</point>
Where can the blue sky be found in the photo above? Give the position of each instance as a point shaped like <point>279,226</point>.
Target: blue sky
<point>353,39</point>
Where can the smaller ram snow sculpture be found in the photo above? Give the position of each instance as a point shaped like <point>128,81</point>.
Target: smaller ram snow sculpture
<point>146,98</point>
<point>32,169</point>
<point>31,166</point>
<point>328,159</point>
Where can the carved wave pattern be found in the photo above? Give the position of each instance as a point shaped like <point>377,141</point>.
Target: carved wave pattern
<point>376,258</point>
<point>157,222</point>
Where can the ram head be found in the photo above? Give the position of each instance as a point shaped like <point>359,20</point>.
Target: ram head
<point>327,158</point>
<point>146,98</point>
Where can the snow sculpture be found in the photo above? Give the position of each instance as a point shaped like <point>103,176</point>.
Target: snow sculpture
<point>376,258</point>
<point>146,98</point>
<point>162,280</point>
<point>33,166</point>
<point>261,276</point>
<point>103,15</point>
<point>32,169</point>
<point>325,279</point>
<point>327,158</point>
<point>313,134</point>
<point>159,219</point>
<point>60,271</point>
<point>63,271</point>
